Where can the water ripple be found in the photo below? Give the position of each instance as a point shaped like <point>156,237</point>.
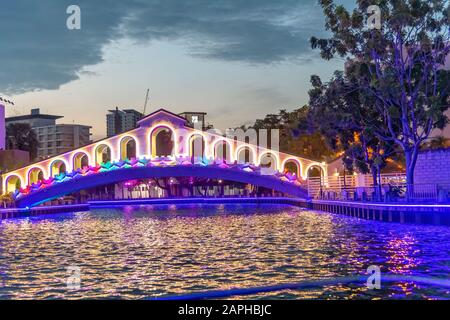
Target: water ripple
<point>160,250</point>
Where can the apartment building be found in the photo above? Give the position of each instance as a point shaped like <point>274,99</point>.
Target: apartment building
<point>53,138</point>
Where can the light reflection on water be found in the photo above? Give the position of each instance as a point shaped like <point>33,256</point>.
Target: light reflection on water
<point>160,250</point>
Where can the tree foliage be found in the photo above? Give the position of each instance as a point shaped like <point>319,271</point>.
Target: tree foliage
<point>338,112</point>
<point>295,136</point>
<point>398,69</point>
<point>21,136</point>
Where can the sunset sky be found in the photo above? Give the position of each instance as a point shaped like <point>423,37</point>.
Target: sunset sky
<point>237,60</point>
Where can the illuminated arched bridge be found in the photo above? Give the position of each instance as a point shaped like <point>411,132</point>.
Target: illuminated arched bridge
<point>163,145</point>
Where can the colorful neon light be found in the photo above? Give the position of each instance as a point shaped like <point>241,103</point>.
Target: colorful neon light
<point>134,163</point>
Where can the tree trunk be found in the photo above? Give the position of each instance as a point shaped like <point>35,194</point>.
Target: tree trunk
<point>376,193</point>
<point>410,160</point>
<point>409,168</point>
<point>380,183</point>
<point>374,175</point>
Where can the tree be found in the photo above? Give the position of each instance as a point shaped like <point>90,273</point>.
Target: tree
<point>304,141</point>
<point>20,136</point>
<point>295,136</point>
<point>339,112</point>
<point>398,68</point>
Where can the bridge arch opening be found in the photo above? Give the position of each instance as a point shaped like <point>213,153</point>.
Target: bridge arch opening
<point>245,155</point>
<point>222,151</point>
<point>128,147</point>
<point>57,167</point>
<point>315,171</point>
<point>102,154</point>
<point>162,142</point>
<point>35,175</point>
<point>268,160</point>
<point>315,176</point>
<point>196,147</point>
<point>292,166</point>
<point>80,160</point>
<point>13,183</point>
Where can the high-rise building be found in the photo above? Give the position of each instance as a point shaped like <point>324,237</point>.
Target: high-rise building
<point>118,121</point>
<point>53,138</point>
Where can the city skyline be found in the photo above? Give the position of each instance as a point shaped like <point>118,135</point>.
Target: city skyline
<point>210,58</point>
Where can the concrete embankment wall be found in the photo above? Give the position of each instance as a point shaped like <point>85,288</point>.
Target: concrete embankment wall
<point>399,213</point>
<point>17,212</point>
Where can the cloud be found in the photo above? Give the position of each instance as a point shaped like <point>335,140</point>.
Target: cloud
<point>261,31</point>
<point>39,52</point>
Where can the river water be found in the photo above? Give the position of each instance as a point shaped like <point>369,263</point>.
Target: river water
<point>155,251</point>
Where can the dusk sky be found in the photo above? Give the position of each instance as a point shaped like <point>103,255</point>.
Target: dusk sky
<point>237,60</point>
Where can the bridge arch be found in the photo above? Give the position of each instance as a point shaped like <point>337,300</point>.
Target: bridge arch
<point>57,167</point>
<point>12,183</point>
<point>296,162</point>
<point>222,150</point>
<point>128,147</point>
<point>194,141</point>
<point>245,154</point>
<point>267,158</point>
<point>80,160</point>
<point>314,170</point>
<point>102,153</point>
<point>115,176</point>
<point>160,135</point>
<point>35,175</point>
